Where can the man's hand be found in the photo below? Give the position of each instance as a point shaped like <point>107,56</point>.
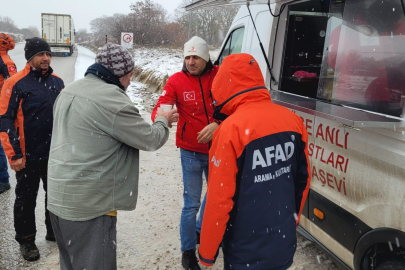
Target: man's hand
<point>171,116</point>
<point>18,165</point>
<point>205,135</point>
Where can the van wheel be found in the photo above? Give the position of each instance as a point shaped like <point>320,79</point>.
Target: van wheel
<point>392,265</point>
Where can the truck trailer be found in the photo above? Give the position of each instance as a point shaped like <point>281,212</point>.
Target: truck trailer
<point>58,30</point>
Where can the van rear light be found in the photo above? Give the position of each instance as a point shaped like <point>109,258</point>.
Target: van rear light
<point>319,214</point>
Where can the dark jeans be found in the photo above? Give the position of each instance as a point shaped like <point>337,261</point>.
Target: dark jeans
<point>26,192</point>
<point>89,244</point>
<point>4,177</point>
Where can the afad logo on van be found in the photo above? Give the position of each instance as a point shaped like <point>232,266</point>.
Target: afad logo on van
<point>192,49</point>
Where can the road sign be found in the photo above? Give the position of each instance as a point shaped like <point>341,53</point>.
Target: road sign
<point>127,40</point>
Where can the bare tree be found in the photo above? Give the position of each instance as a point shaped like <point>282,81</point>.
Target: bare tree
<point>210,24</point>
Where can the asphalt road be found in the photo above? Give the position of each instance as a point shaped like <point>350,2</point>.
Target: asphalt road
<point>10,257</point>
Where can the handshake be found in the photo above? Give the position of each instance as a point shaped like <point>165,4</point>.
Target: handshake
<point>167,112</point>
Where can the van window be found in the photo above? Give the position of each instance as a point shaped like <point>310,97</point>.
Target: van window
<point>233,45</point>
<point>354,54</point>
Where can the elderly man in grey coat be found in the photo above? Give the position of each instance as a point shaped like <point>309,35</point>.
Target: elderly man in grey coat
<point>93,165</point>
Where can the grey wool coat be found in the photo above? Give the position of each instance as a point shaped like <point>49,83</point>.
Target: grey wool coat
<point>94,159</point>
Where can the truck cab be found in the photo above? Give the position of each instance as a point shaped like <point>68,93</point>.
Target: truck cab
<point>340,66</point>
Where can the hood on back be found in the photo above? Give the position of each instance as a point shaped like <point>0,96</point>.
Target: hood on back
<point>6,42</point>
<point>239,80</point>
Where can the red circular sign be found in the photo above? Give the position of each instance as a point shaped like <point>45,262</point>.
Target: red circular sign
<point>127,38</point>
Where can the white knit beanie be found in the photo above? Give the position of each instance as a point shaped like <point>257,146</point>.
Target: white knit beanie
<point>197,46</point>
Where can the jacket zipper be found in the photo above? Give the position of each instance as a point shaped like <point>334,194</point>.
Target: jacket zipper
<point>182,131</point>
<point>202,92</point>
<point>46,88</point>
<point>205,108</point>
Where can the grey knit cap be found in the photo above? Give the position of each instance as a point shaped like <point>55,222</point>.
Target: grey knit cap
<point>116,59</point>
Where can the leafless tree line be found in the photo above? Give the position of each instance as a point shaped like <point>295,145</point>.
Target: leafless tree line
<point>152,26</point>
<point>8,26</point>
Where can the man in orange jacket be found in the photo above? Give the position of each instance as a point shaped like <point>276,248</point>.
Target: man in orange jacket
<point>7,69</point>
<point>259,173</point>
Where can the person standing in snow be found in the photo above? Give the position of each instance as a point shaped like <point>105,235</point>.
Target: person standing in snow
<point>7,69</point>
<point>190,91</point>
<point>26,104</point>
<point>259,173</point>
<point>94,161</point>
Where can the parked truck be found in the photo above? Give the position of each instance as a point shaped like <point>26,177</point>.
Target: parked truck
<point>340,66</point>
<point>59,31</point>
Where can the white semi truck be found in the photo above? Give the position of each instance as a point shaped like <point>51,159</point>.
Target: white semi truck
<point>58,30</point>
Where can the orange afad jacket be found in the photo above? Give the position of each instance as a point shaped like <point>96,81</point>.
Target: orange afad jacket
<point>7,67</point>
<point>259,173</point>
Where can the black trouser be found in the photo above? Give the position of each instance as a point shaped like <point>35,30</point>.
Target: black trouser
<point>90,244</point>
<point>26,192</point>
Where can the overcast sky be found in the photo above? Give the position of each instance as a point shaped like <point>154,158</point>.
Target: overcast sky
<point>28,12</point>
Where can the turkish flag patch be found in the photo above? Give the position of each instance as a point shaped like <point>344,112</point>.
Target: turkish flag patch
<point>189,96</point>
<point>11,68</point>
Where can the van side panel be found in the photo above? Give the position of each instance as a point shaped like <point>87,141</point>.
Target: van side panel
<point>335,247</point>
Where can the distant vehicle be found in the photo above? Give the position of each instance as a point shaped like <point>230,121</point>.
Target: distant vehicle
<point>59,31</point>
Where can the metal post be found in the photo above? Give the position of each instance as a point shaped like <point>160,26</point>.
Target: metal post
<point>105,39</point>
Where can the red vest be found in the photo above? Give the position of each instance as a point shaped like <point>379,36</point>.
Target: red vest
<point>192,97</point>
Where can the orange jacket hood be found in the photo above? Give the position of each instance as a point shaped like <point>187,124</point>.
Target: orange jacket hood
<point>238,73</point>
<point>6,42</point>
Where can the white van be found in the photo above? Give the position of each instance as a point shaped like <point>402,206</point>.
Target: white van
<point>340,65</point>
<point>59,31</point>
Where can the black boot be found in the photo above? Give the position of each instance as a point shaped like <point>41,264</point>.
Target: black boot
<point>29,251</point>
<point>189,260</point>
<point>50,237</point>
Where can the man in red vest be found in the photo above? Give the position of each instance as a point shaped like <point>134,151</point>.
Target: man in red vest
<point>190,91</point>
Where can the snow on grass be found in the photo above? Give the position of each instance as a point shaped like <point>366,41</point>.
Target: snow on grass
<point>160,60</point>
<point>163,61</point>
<point>134,93</point>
